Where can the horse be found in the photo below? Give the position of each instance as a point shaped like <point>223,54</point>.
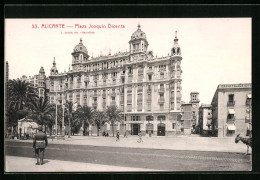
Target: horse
<point>247,141</point>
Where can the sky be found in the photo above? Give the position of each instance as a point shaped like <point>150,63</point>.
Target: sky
<point>214,50</point>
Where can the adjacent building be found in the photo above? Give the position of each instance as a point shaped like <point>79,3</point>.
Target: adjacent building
<point>39,81</point>
<point>145,88</point>
<point>231,110</point>
<point>205,119</point>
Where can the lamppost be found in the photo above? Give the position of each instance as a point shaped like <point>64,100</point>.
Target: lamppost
<point>56,117</point>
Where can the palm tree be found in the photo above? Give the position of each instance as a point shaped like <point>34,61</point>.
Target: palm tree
<point>69,111</point>
<point>85,115</point>
<point>20,93</point>
<point>113,114</point>
<point>99,119</point>
<point>42,111</point>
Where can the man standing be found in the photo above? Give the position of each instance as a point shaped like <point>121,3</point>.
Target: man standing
<point>40,142</point>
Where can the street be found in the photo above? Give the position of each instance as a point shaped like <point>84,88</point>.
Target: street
<point>158,159</point>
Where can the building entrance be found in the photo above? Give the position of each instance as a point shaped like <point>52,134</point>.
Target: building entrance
<point>161,129</point>
<point>135,129</point>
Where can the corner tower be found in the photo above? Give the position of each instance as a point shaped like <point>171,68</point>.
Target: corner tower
<point>138,44</point>
<point>176,72</point>
<point>79,55</point>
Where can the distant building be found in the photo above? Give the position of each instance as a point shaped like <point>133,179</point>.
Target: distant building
<point>194,100</point>
<point>205,119</point>
<point>39,81</point>
<point>231,109</point>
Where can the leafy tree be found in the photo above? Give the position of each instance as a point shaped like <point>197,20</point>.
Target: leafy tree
<point>69,111</point>
<point>42,111</point>
<point>113,114</point>
<point>99,119</point>
<point>84,114</point>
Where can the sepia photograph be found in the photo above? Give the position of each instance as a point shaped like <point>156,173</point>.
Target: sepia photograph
<point>128,95</point>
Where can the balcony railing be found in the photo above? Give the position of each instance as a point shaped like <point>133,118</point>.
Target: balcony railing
<point>129,101</point>
<point>140,71</point>
<point>172,99</point>
<point>113,103</point>
<point>121,102</point>
<point>103,95</point>
<point>149,90</point>
<point>161,100</point>
<point>148,100</point>
<point>139,100</point>
<point>113,94</point>
<point>231,103</point>
<point>161,90</point>
<point>86,79</point>
<point>232,120</point>
<point>94,104</point>
<point>95,95</point>
<point>140,90</point>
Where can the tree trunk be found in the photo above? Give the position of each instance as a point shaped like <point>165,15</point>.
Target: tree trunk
<point>97,131</point>
<point>50,129</point>
<point>69,129</point>
<point>113,129</point>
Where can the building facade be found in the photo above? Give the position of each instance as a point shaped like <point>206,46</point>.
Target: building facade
<point>205,119</point>
<point>145,88</point>
<point>231,109</point>
<point>39,81</point>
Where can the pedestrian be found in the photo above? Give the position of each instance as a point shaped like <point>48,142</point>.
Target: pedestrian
<point>40,142</point>
<point>117,137</point>
<point>140,137</point>
<point>150,134</point>
<point>125,136</point>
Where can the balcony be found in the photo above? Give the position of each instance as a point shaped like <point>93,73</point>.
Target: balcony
<point>122,102</point>
<point>129,90</point>
<point>86,79</point>
<point>161,90</point>
<point>94,104</point>
<point>104,95</point>
<point>161,100</point>
<point>148,100</point>
<point>140,71</point>
<point>129,101</point>
<point>139,100</point>
<point>113,103</point>
<point>231,121</point>
<point>95,95</point>
<point>230,103</point>
<point>113,94</point>
<point>140,90</point>
<point>172,99</point>
<point>149,90</point>
<point>104,104</point>
<point>247,119</point>
<point>149,71</point>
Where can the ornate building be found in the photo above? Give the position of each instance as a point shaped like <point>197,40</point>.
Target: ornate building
<point>146,89</point>
<point>39,81</point>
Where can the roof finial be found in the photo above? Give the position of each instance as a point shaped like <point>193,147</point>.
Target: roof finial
<point>54,61</point>
<point>81,40</point>
<point>139,26</point>
<point>175,34</point>
<point>109,52</point>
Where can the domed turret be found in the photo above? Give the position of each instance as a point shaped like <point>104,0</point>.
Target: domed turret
<point>138,34</point>
<point>41,72</point>
<point>54,70</point>
<point>176,50</point>
<point>138,42</point>
<point>80,48</point>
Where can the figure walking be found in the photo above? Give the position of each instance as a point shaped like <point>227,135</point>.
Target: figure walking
<point>117,137</point>
<point>140,137</point>
<point>125,135</point>
<point>40,142</point>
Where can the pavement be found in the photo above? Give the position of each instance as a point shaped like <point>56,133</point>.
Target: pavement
<point>194,143</point>
<point>24,164</point>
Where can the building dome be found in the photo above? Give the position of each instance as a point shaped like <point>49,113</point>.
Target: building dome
<point>41,70</point>
<point>80,48</point>
<point>138,34</point>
